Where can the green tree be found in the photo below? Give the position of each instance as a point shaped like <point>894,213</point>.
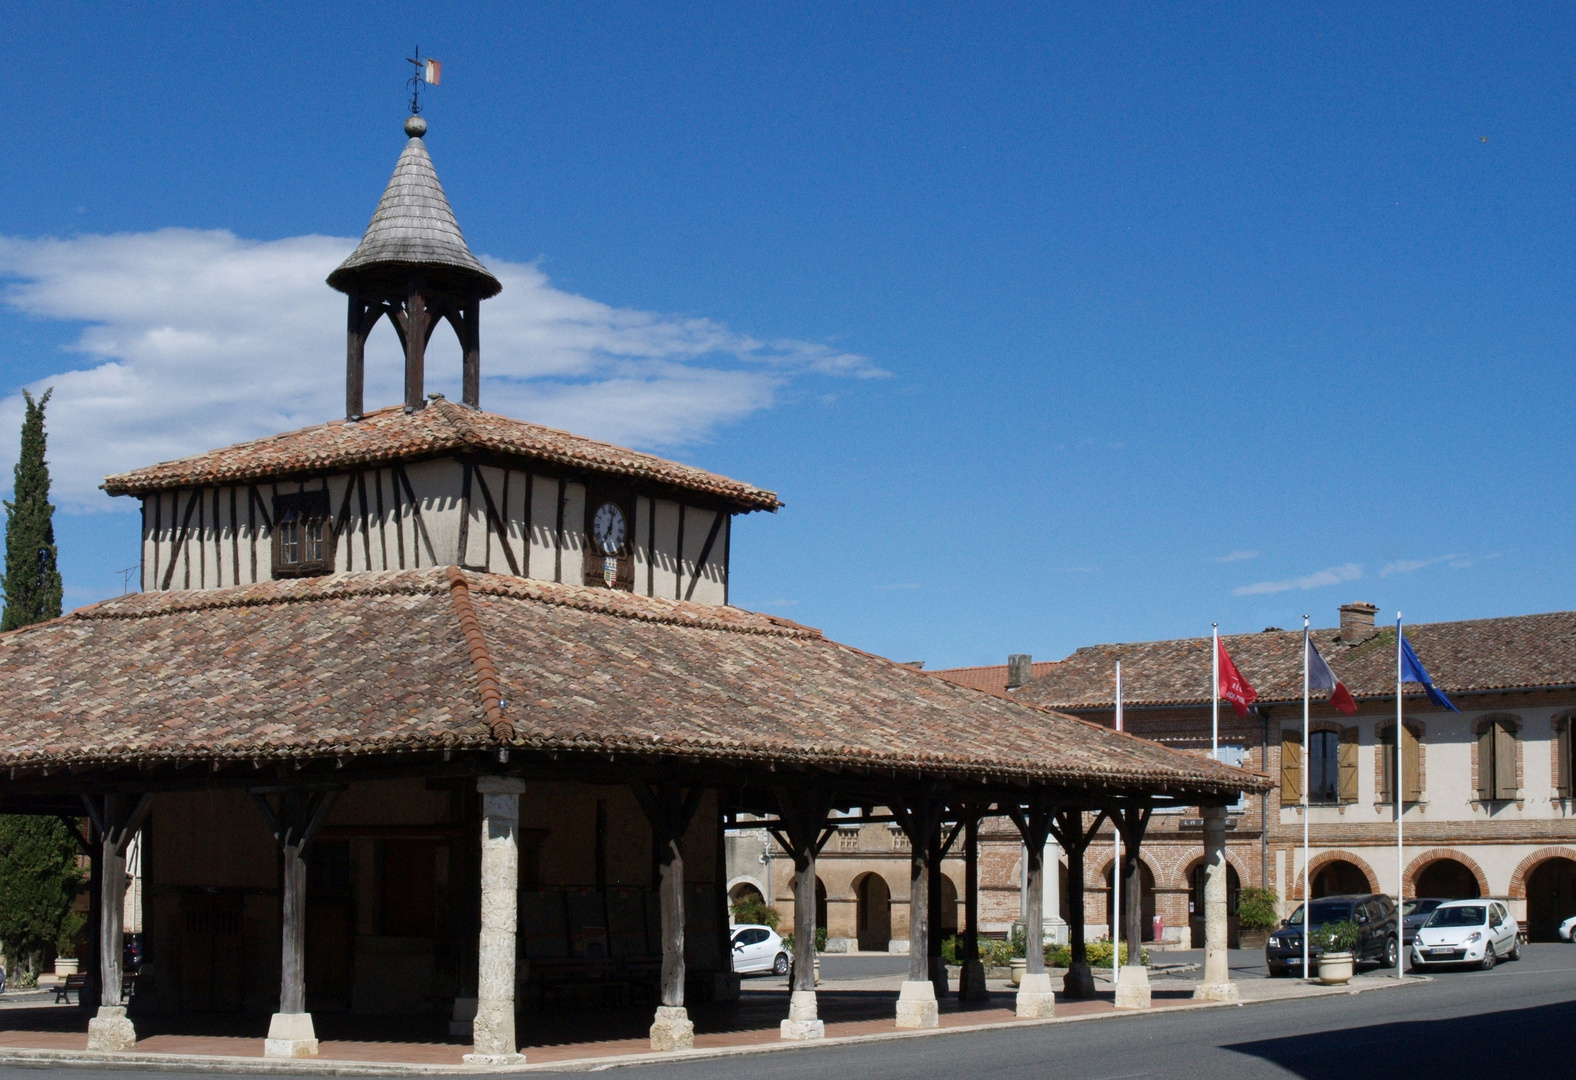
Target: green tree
<point>39,881</point>
<point>32,578</point>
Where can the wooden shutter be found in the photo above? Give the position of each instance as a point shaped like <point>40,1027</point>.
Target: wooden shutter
<point>1504,761</point>
<point>1385,748</point>
<point>1348,764</point>
<point>1411,773</point>
<point>1562,742</point>
<point>1291,768</point>
<point>1485,756</point>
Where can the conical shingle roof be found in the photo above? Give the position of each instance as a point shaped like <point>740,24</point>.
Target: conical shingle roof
<point>414,226</point>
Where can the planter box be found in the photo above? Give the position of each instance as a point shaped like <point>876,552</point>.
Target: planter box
<point>67,967</point>
<point>1253,939</point>
<point>1336,969</point>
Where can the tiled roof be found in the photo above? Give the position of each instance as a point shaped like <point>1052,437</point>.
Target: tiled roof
<point>442,427</point>
<point>414,226</point>
<point>370,663</point>
<point>1520,652</point>
<point>989,677</point>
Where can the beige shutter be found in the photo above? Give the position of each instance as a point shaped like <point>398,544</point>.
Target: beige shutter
<point>1291,768</point>
<point>1348,764</point>
<point>1411,771</point>
<point>1485,756</point>
<point>1504,761</point>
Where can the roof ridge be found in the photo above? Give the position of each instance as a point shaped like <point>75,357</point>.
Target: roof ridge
<point>487,678</point>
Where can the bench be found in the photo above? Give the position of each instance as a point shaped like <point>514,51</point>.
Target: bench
<point>72,985</point>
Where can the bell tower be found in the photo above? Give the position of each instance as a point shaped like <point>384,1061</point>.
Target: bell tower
<point>413,266</point>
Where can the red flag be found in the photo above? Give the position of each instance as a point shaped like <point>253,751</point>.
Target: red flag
<point>1233,687</point>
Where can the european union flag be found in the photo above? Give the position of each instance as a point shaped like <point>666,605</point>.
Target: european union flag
<point>1412,670</point>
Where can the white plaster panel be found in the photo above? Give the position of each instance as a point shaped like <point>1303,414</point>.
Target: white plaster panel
<point>666,555</point>
<point>437,487</point>
<point>641,545</point>
<point>573,539</point>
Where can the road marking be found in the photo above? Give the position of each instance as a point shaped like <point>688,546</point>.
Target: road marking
<point>1507,974</point>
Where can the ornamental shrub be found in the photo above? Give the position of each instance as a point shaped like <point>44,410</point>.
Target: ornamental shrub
<point>755,910</point>
<point>1336,937</point>
<point>1257,909</point>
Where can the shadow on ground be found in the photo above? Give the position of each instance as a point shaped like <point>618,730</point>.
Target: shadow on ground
<point>1522,1042</point>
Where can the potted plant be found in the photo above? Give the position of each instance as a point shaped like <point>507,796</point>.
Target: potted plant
<point>1335,942</point>
<point>1256,916</point>
<point>66,962</point>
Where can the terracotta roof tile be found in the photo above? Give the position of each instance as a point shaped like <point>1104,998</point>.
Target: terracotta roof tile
<point>989,677</point>
<point>442,427</point>
<point>1519,652</point>
<point>367,663</point>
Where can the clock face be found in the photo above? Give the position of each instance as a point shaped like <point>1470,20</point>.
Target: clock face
<point>607,528</point>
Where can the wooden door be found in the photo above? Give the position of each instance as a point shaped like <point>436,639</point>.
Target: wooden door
<point>211,951</point>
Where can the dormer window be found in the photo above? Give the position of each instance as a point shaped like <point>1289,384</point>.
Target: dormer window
<point>303,539</point>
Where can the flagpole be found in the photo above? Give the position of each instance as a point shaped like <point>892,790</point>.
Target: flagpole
<point>1400,794</point>
<point>1307,877</point>
<point>1214,698</point>
<point>1116,863</point>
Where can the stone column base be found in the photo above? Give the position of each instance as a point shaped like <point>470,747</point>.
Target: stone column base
<point>971,981</point>
<point>1036,999</point>
<point>110,1030</point>
<point>1078,982</point>
<point>462,1022</point>
<point>290,1035</point>
<point>1226,991</point>
<point>1132,988</point>
<point>802,1022</point>
<point>916,1005</point>
<point>672,1029</point>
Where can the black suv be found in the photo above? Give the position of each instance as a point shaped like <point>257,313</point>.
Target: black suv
<point>1373,913</point>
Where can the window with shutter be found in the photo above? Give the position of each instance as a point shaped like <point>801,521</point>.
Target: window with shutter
<point>1324,771</point>
<point>1291,768</point>
<point>1562,749</point>
<point>1504,761</point>
<point>1411,765</point>
<point>1485,763</point>
<point>1348,765</point>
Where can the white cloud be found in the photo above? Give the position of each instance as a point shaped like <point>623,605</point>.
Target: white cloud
<point>1332,576</point>
<point>1238,556</point>
<point>1406,566</point>
<point>194,340</point>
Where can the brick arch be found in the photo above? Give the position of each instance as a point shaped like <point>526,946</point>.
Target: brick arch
<point>1433,855</point>
<point>1099,871</point>
<point>1324,857</point>
<point>1524,869</point>
<point>1185,875</point>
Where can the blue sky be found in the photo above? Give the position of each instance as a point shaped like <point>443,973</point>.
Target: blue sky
<point>1050,327</point>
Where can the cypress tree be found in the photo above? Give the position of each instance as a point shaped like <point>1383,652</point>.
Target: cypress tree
<point>32,579</point>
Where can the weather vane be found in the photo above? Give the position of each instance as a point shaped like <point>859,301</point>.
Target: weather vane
<point>428,71</point>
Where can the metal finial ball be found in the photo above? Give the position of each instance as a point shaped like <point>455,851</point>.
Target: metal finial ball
<point>415,127</point>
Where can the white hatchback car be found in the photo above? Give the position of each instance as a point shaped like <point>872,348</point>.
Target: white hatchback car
<point>1467,932</point>
<point>758,949</point>
<point>1568,930</point>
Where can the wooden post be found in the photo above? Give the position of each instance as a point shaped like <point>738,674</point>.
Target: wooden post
<point>1132,988</point>
<point>117,819</point>
<point>415,344</point>
<point>1067,826</point>
<point>726,987</point>
<point>803,813</point>
<point>355,357</point>
<point>971,978</point>
<point>89,995</point>
<point>1217,984</point>
<point>471,348</point>
<point>937,967</point>
<point>301,812</point>
<point>1036,1000</point>
<point>916,1002</point>
<point>670,809</point>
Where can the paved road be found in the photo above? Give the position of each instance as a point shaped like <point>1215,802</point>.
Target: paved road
<point>1513,1021</point>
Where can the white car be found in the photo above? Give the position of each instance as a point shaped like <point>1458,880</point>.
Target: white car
<point>758,949</point>
<point>1568,930</point>
<point>1477,932</point>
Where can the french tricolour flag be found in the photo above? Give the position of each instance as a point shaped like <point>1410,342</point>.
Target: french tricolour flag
<point>432,73</point>
<point>1320,677</point>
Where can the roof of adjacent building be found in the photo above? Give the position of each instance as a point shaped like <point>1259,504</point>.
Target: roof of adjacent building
<point>441,658</point>
<point>1523,652</point>
<point>990,677</point>
<point>414,226</point>
<point>443,427</point>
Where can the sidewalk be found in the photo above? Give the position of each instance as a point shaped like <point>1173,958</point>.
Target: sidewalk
<point>853,1011</point>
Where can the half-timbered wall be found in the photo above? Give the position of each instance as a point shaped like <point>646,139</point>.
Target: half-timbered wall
<point>432,513</point>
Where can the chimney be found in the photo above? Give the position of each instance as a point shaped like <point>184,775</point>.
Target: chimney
<point>1357,622</point>
<point>1020,669</point>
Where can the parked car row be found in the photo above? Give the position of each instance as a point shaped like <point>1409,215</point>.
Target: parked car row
<point>1373,913</point>
<point>1439,932</point>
